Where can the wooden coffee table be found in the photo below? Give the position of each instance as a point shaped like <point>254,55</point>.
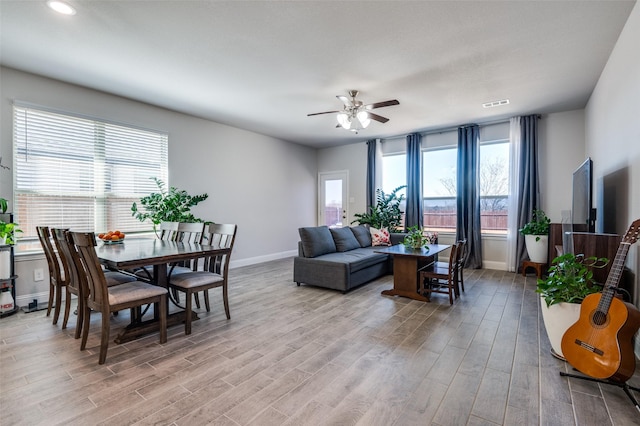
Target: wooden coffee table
<point>406,262</point>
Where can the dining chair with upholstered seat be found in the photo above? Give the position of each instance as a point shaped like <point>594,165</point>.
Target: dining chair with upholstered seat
<point>57,278</point>
<point>214,272</point>
<point>440,277</point>
<point>101,298</point>
<point>460,261</point>
<point>64,246</point>
<point>187,233</point>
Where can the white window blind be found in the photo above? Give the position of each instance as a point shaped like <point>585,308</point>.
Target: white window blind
<point>82,173</point>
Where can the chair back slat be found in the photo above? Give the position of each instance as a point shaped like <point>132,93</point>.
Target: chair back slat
<point>190,232</point>
<point>90,271</point>
<point>68,265</point>
<point>168,231</point>
<point>53,264</point>
<point>223,235</point>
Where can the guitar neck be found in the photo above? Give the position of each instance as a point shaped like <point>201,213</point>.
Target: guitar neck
<point>614,277</point>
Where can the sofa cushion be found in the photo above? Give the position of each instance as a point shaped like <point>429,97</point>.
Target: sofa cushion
<point>362,234</point>
<point>316,241</point>
<point>380,237</point>
<point>344,239</point>
<point>355,260</point>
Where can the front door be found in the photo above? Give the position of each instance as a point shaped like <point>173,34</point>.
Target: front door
<point>333,196</point>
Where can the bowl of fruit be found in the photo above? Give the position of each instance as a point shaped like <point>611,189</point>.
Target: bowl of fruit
<point>112,237</point>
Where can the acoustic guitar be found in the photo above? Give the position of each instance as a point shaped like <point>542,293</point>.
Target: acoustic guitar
<point>600,344</point>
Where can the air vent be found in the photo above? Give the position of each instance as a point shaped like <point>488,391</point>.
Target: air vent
<point>495,103</point>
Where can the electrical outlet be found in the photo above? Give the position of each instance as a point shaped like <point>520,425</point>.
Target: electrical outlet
<point>38,274</point>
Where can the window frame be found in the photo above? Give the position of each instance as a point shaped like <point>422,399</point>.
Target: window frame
<point>111,175</point>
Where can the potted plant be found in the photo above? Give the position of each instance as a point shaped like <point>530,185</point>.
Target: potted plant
<point>7,232</point>
<point>536,236</point>
<point>386,213</point>
<point>170,205</point>
<point>569,281</point>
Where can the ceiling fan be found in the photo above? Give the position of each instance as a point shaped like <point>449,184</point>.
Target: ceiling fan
<point>356,115</point>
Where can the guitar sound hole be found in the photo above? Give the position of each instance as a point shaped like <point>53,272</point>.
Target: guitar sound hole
<point>599,318</point>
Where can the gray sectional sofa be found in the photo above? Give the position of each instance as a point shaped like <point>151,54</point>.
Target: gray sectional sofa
<point>339,258</point>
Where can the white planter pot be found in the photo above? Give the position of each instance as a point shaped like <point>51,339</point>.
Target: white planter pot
<point>537,250</point>
<point>557,319</point>
<point>5,264</point>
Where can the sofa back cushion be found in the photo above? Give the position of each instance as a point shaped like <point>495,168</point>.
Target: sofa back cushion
<point>316,241</point>
<point>344,239</point>
<point>362,234</point>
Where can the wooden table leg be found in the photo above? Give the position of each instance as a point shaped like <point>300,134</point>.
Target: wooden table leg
<point>405,278</point>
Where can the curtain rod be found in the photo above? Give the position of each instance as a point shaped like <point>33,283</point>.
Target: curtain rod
<point>454,128</point>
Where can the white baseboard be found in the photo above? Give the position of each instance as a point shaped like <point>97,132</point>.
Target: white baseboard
<point>498,266</point>
<point>42,297</point>
<point>261,259</point>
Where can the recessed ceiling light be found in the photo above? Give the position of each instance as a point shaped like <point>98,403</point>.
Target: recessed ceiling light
<point>61,7</point>
<point>495,103</point>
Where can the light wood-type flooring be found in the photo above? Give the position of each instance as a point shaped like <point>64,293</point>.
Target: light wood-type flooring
<point>309,356</point>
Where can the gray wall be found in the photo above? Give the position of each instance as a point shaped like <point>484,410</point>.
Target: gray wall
<point>613,141</point>
<point>265,185</point>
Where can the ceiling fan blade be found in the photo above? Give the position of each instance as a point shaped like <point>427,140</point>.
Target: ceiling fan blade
<point>346,101</point>
<point>318,113</point>
<point>377,117</point>
<point>382,104</point>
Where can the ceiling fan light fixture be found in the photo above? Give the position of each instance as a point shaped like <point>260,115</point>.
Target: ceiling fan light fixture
<point>363,117</point>
<point>344,121</point>
<point>61,7</point>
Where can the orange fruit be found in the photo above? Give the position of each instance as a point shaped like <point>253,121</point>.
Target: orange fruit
<point>100,236</point>
<point>121,236</point>
<point>115,238</point>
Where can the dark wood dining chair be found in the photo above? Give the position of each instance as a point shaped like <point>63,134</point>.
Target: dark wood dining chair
<point>462,255</point>
<point>440,277</point>
<point>214,273</point>
<point>104,299</point>
<point>64,246</point>
<point>57,278</point>
<point>189,233</point>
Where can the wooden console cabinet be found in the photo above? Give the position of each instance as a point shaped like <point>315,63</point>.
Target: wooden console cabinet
<point>589,244</point>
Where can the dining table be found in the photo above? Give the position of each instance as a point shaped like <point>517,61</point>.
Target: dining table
<point>135,253</point>
<point>406,263</point>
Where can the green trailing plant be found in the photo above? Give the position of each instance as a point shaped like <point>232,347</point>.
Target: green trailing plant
<point>570,279</point>
<point>539,225</point>
<point>386,213</point>
<point>416,238</point>
<point>3,205</point>
<point>170,205</point>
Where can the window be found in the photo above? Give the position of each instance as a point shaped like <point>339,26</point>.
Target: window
<point>439,188</point>
<point>81,173</point>
<point>394,173</point>
<point>494,186</point>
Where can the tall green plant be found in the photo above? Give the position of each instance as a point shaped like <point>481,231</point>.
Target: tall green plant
<point>170,205</point>
<point>386,213</point>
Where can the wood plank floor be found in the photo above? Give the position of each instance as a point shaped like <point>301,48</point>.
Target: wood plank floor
<point>308,356</point>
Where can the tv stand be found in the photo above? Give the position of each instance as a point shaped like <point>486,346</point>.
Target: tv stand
<point>589,244</point>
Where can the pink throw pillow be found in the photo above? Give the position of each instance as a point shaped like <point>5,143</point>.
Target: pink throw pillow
<point>380,237</point>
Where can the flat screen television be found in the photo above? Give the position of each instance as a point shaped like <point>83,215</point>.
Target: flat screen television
<point>583,216</point>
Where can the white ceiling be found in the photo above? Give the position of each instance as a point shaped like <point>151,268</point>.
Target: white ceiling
<point>263,65</point>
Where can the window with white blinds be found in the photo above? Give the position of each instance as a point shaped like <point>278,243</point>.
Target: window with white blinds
<point>81,173</point>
